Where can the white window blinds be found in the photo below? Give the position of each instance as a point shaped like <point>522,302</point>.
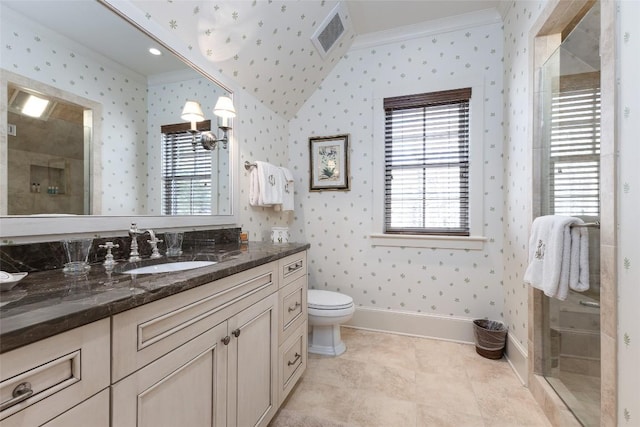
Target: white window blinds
<point>186,172</point>
<point>575,146</point>
<point>427,163</point>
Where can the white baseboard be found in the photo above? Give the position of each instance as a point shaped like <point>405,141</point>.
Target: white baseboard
<point>517,358</point>
<point>447,328</point>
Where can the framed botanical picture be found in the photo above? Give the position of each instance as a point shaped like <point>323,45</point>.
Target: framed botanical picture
<point>329,163</point>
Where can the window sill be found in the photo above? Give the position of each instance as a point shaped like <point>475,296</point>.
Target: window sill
<point>474,243</point>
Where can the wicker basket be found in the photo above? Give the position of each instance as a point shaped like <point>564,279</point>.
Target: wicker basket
<point>490,337</point>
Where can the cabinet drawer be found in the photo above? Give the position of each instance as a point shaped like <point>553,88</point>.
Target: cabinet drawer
<point>293,306</point>
<point>145,333</point>
<point>292,360</point>
<point>292,267</point>
<point>56,373</point>
<point>93,412</point>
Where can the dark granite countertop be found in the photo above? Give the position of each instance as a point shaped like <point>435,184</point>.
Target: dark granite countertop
<point>47,303</point>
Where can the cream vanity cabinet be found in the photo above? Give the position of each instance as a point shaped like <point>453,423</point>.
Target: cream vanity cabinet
<point>205,357</point>
<point>58,381</point>
<point>292,324</point>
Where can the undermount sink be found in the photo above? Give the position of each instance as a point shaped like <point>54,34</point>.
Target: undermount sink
<point>169,267</point>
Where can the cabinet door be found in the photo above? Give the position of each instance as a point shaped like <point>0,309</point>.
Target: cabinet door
<point>253,393</point>
<point>186,387</point>
<point>92,412</point>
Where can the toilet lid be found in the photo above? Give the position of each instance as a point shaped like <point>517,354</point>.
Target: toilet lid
<point>327,300</point>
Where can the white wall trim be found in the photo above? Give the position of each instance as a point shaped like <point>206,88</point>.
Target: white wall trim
<point>448,328</point>
<point>429,28</point>
<point>517,357</point>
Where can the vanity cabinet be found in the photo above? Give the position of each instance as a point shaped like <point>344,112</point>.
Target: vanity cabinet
<point>223,354</point>
<point>58,376</point>
<point>292,324</point>
<point>204,357</point>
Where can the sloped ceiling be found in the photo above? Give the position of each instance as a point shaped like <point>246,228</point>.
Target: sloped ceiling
<point>265,45</point>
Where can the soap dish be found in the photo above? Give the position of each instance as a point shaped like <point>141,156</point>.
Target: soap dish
<point>9,280</point>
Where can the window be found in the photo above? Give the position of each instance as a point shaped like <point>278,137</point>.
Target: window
<point>426,163</point>
<point>575,146</point>
<point>186,172</point>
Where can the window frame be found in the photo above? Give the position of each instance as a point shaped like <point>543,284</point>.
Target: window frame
<point>475,240</point>
<point>183,128</point>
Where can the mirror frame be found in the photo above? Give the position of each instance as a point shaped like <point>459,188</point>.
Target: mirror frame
<point>25,229</point>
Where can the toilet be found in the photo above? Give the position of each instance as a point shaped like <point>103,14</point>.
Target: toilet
<point>327,310</point>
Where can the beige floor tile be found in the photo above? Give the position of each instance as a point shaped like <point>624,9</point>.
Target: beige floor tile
<point>289,418</point>
<point>322,401</point>
<point>389,381</point>
<point>437,416</point>
<point>371,410</point>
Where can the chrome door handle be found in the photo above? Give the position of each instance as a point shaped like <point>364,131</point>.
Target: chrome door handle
<point>590,304</point>
<point>294,267</point>
<point>22,392</point>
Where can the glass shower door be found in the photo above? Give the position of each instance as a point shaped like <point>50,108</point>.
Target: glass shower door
<point>570,115</point>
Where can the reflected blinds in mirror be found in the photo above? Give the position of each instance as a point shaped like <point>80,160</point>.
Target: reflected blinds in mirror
<point>427,163</point>
<point>575,146</point>
<point>186,171</point>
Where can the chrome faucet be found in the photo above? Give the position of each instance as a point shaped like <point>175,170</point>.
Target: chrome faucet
<point>134,255</point>
<point>153,241</point>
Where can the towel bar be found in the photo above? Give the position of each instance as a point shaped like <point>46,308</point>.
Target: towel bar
<point>249,165</point>
<point>586,224</point>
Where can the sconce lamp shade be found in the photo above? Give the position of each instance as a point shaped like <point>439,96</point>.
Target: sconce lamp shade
<point>224,108</point>
<point>192,112</point>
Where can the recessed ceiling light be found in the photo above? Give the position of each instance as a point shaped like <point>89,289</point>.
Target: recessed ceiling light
<point>34,107</point>
<point>154,51</point>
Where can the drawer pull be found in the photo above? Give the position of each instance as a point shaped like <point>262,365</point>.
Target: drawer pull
<point>226,340</point>
<point>236,332</point>
<point>289,363</point>
<point>294,307</point>
<point>294,267</point>
<point>22,392</point>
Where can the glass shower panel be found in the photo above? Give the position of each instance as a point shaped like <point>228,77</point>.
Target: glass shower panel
<point>570,122</point>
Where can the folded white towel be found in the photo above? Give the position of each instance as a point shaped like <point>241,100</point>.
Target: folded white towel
<point>266,185</point>
<point>287,200</point>
<point>579,269</point>
<point>554,262</point>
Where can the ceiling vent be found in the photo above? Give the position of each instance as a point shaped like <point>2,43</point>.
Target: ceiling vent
<point>331,30</point>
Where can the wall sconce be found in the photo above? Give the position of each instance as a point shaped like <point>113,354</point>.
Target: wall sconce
<point>224,109</point>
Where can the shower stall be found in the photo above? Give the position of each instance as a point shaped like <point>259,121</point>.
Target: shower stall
<point>569,162</point>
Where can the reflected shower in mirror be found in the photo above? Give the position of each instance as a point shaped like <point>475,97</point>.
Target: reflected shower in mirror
<point>107,93</point>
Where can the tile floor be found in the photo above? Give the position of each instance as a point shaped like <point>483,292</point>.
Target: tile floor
<point>391,380</point>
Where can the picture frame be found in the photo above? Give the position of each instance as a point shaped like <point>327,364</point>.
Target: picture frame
<point>329,163</point>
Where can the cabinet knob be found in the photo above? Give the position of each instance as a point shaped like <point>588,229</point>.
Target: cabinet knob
<point>22,392</point>
<point>226,340</point>
<point>236,332</point>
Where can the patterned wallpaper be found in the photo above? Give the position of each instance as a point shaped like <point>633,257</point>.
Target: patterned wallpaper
<point>629,205</point>
<point>517,164</point>
<point>37,53</point>
<point>264,46</point>
<point>337,224</point>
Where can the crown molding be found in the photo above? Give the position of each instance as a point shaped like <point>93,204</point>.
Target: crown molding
<point>428,28</point>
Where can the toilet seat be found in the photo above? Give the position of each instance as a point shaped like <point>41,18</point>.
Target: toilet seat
<point>327,300</point>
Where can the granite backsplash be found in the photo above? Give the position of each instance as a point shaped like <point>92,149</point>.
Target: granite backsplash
<point>51,256</point>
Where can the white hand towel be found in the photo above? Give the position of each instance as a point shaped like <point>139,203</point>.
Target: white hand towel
<point>254,188</point>
<point>287,201</point>
<point>550,255</point>
<point>271,182</point>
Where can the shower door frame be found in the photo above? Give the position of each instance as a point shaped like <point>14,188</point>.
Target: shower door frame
<point>555,21</point>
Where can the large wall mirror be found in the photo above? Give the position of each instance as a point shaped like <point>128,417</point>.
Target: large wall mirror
<point>96,149</point>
